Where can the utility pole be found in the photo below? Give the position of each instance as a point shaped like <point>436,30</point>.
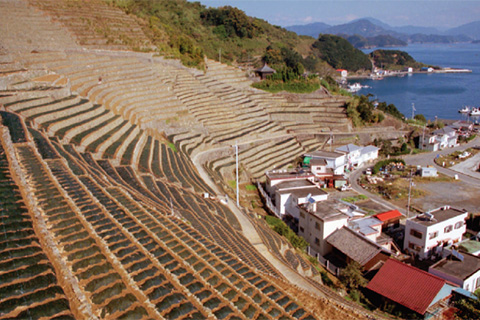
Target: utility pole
<point>236,162</point>
<point>423,138</point>
<point>409,193</point>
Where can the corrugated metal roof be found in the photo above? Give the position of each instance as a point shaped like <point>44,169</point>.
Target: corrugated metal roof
<point>387,215</point>
<point>406,285</point>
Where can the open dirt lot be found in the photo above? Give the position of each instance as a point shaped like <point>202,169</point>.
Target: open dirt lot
<point>455,194</point>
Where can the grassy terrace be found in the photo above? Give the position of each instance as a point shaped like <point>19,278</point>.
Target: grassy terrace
<point>63,131</point>
<point>111,150</point>
<point>127,156</point>
<point>28,277</point>
<point>92,147</point>
<point>15,126</point>
<point>144,163</point>
<point>78,138</point>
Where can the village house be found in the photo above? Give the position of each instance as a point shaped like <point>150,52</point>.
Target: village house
<point>426,234</point>
<point>275,177</point>
<point>462,269</point>
<point>357,156</point>
<point>390,219</point>
<point>462,126</point>
<point>371,228</point>
<point>290,194</point>
<point>342,73</point>
<point>439,139</point>
<point>318,220</point>
<point>411,288</point>
<point>325,161</point>
<point>348,245</point>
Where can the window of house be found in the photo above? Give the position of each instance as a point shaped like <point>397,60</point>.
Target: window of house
<point>413,246</point>
<point>448,229</point>
<point>477,283</point>
<point>317,225</point>
<point>302,214</point>
<point>302,230</point>
<point>459,224</point>
<point>433,235</point>
<point>416,234</point>
<point>317,241</point>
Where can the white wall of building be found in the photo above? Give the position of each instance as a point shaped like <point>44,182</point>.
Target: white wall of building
<point>425,238</point>
<point>314,230</point>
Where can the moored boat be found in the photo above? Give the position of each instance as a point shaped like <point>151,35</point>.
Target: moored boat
<point>475,112</point>
<point>465,109</point>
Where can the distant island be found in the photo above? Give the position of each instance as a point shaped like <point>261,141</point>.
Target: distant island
<point>370,32</point>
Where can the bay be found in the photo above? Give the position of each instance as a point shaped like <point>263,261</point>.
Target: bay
<point>433,95</point>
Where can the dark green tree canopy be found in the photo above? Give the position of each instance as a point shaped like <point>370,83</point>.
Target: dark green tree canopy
<point>339,53</point>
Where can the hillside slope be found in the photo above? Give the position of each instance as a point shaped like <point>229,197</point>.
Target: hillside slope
<point>110,219</point>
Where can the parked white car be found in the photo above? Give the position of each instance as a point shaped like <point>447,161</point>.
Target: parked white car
<point>464,155</point>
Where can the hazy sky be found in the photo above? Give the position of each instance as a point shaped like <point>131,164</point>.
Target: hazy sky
<point>425,13</point>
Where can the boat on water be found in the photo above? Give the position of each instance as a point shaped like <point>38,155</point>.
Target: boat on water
<point>475,112</point>
<point>465,109</point>
<point>355,87</point>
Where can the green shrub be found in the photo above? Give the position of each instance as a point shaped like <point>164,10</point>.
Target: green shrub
<point>172,146</point>
<point>282,229</point>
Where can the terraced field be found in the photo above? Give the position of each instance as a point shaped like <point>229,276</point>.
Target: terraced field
<point>103,213</point>
<point>129,257</point>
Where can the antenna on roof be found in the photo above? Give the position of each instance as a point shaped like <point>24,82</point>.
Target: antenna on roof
<point>457,255</point>
<point>429,215</point>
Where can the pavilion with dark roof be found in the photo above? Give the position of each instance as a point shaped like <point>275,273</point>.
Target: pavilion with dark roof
<point>412,288</point>
<point>264,71</point>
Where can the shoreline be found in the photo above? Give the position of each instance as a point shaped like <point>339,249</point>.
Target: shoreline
<point>404,73</point>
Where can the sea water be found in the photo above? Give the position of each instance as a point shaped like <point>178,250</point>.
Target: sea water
<point>437,94</point>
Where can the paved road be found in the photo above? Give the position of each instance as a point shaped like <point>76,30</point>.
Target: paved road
<point>464,175</point>
<point>425,159</point>
<point>353,177</point>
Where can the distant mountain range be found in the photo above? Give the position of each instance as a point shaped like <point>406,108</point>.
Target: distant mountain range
<point>371,28</point>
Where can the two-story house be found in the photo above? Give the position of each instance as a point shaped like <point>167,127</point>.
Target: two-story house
<point>290,194</point>
<point>445,137</point>
<point>429,232</point>
<point>317,221</point>
<point>330,161</point>
<point>356,156</point>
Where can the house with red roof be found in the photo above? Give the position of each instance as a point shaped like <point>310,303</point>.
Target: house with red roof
<point>411,288</point>
<point>390,219</point>
<point>342,73</point>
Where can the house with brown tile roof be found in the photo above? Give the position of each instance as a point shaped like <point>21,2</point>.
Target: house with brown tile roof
<point>349,246</point>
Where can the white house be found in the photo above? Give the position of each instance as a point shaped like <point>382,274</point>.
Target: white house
<point>290,194</point>
<point>335,161</point>
<point>356,156</point>
<point>278,176</point>
<point>440,139</point>
<point>342,73</point>
<point>352,154</point>
<point>317,221</point>
<point>429,232</point>
<point>463,270</point>
<point>371,228</point>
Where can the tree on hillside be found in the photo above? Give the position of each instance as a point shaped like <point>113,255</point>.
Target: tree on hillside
<point>339,53</point>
